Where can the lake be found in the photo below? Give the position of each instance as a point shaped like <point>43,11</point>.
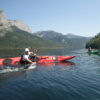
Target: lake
<point>78,79</point>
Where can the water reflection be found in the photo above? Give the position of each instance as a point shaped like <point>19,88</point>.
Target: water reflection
<point>6,76</point>
<point>61,64</point>
<point>17,52</point>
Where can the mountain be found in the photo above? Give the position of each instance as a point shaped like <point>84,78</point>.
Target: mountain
<point>94,42</point>
<point>4,22</point>
<point>16,38</point>
<point>70,40</point>
<point>70,35</point>
<point>16,34</point>
<point>50,35</point>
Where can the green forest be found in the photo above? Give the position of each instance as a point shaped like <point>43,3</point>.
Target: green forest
<point>94,42</point>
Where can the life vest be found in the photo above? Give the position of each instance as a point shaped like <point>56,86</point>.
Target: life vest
<point>33,58</point>
<point>22,60</point>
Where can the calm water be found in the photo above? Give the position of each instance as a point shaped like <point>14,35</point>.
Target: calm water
<point>76,80</point>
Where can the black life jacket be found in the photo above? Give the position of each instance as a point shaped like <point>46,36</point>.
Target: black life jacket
<point>22,61</point>
<point>33,58</point>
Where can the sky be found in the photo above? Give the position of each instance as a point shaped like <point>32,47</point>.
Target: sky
<point>80,17</point>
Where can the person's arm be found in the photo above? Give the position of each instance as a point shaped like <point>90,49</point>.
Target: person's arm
<point>28,60</point>
<point>30,53</point>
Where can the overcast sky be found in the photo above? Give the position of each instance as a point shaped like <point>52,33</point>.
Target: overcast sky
<point>81,17</point>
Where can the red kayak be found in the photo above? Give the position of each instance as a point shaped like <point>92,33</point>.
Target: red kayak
<point>42,59</point>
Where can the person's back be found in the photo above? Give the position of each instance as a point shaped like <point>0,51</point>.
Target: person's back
<point>25,58</point>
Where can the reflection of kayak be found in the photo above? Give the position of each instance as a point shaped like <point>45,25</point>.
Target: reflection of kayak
<point>61,64</point>
<point>41,59</point>
<point>18,68</point>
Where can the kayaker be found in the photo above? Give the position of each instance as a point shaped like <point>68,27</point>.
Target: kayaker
<point>90,49</point>
<point>33,55</point>
<point>25,59</point>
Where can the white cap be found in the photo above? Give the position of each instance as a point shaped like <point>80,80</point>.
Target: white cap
<point>26,49</point>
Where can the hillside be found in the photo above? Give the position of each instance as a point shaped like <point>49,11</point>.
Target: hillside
<point>94,42</point>
<point>70,40</point>
<point>17,34</point>
<point>16,38</point>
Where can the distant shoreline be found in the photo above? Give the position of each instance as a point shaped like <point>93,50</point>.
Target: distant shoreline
<point>36,47</point>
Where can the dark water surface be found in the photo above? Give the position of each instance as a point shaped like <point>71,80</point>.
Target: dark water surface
<point>78,80</point>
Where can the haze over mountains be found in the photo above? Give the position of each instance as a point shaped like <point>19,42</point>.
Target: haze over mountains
<point>70,40</point>
<point>15,33</point>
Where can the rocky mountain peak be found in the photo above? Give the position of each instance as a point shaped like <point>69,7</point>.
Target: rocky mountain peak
<point>3,19</point>
<point>5,23</point>
<point>20,24</point>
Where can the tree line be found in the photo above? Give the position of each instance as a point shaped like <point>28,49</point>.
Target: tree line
<point>94,42</point>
